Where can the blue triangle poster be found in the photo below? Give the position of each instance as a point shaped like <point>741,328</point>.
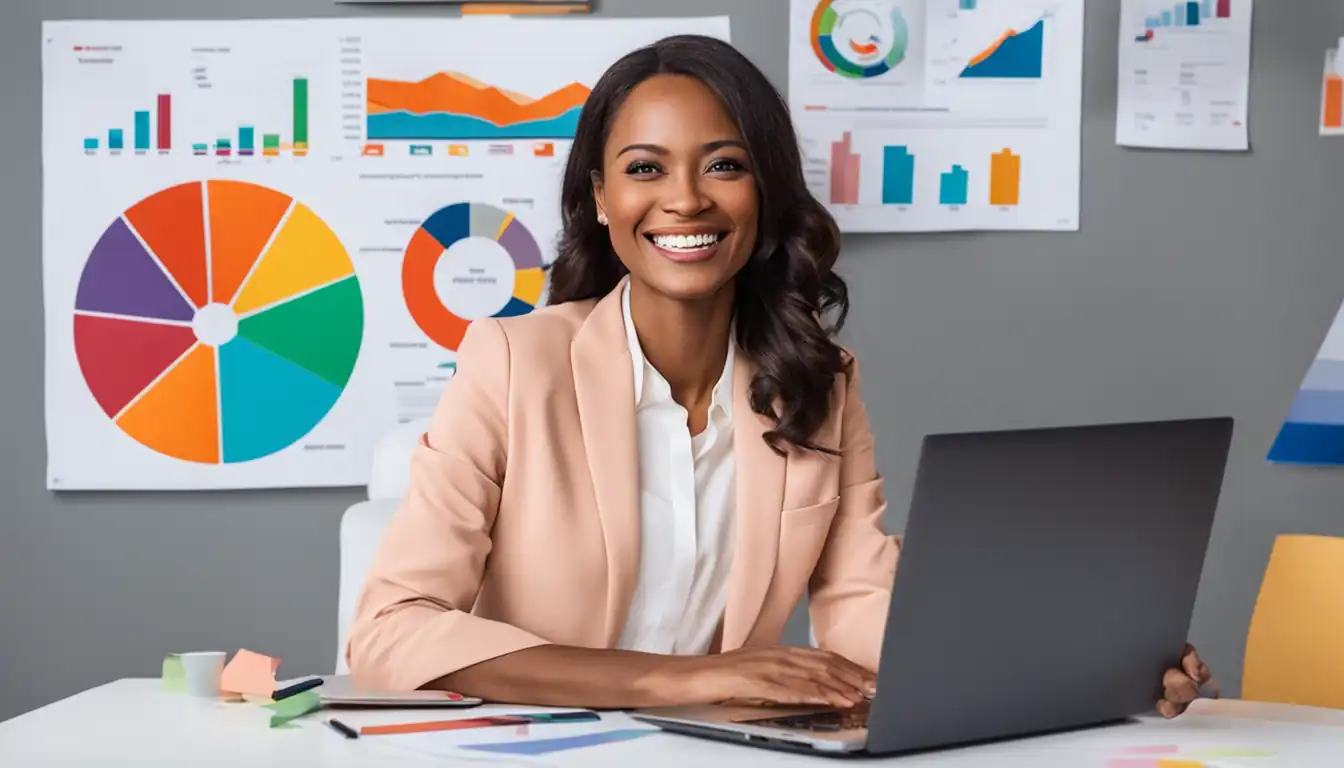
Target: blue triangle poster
<point>1313,431</point>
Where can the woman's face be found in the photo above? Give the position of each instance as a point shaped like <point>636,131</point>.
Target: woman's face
<point>677,190</point>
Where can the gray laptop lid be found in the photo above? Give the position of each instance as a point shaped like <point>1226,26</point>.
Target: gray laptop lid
<point>1046,580</point>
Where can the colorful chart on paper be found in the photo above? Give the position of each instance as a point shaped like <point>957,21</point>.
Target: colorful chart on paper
<point>858,39</point>
<point>217,321</point>
<point>1313,430</point>
<point>1175,756</point>
<point>454,106</point>
<point>470,260</point>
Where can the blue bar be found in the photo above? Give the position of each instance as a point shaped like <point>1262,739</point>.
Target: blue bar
<point>898,176</point>
<point>953,187</point>
<point>142,130</point>
<point>115,139</point>
<point>246,135</point>
<point>1166,18</point>
<point>968,5</point>
<point>1192,13</point>
<point>1180,15</point>
<point>1207,10</point>
<point>90,143</point>
<point>1153,22</point>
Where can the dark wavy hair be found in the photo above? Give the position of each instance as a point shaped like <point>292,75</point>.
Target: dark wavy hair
<point>787,287</point>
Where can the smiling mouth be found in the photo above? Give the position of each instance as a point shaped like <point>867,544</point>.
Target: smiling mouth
<point>687,243</point>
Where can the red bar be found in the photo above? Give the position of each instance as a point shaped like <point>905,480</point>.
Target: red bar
<point>1224,9</point>
<point>165,121</point>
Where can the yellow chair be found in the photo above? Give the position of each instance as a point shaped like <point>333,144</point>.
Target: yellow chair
<point>1295,647</point>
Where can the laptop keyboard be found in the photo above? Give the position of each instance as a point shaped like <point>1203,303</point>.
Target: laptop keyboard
<point>822,722</point>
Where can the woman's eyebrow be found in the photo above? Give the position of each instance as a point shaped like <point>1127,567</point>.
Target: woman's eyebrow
<point>658,149</point>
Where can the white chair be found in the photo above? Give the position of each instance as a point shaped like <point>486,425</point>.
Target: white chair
<point>363,524</point>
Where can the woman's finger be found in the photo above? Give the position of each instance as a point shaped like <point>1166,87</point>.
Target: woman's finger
<point>1178,687</point>
<point>832,668</point>
<point>834,661</point>
<point>837,693</point>
<point>1192,665</point>
<point>1167,709</point>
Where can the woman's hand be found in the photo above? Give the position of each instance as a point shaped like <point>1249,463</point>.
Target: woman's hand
<point>778,675</point>
<point>1181,686</point>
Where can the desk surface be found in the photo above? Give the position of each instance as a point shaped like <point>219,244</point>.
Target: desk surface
<point>132,722</point>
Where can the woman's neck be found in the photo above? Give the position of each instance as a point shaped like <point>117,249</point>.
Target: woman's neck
<point>685,341</point>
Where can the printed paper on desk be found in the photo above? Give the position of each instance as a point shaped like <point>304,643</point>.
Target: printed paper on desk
<point>475,742</point>
<point>249,672</point>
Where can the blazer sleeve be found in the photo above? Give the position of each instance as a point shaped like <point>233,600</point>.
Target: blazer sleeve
<point>850,588</point>
<point>412,621</point>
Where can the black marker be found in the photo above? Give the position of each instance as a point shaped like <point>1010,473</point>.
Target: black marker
<point>343,729</point>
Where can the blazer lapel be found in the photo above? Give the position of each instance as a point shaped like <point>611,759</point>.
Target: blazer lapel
<point>604,385</point>
<point>760,496</point>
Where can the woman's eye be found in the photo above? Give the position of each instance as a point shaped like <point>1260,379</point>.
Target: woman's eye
<point>725,165</point>
<point>640,167</point>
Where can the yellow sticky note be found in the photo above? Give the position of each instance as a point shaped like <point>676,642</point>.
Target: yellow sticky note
<point>250,673</point>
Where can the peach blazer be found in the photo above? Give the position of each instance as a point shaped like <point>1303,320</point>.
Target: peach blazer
<point>521,525</point>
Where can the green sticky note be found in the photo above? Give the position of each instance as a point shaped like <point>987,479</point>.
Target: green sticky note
<point>294,706</point>
<point>174,679</point>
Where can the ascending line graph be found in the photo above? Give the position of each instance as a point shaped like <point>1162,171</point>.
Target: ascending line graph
<point>217,321</point>
<point>1014,55</point>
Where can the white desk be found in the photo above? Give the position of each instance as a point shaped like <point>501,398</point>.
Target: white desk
<point>133,723</point>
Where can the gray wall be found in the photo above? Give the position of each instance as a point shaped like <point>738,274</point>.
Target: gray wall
<point>1199,285</point>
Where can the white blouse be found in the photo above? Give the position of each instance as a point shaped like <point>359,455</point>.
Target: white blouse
<point>687,501</point>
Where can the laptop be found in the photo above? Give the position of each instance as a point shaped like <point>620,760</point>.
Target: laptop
<point>1046,581</point>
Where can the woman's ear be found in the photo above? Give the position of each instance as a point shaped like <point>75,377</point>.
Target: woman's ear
<point>599,197</point>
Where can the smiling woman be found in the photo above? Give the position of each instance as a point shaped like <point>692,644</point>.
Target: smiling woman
<point>623,495</point>
<point>687,139</point>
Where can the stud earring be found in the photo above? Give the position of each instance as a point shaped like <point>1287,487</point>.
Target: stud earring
<point>602,219</point>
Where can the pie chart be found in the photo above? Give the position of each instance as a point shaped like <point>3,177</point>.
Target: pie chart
<point>466,261</point>
<point>217,321</point>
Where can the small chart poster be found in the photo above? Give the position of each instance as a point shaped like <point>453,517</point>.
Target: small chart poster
<point>1184,74</point>
<point>1313,430</point>
<point>940,115</point>
<point>263,241</point>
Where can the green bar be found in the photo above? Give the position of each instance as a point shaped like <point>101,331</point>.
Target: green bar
<point>270,141</point>
<point>300,112</point>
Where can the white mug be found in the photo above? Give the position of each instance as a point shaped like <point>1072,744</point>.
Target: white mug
<point>202,671</point>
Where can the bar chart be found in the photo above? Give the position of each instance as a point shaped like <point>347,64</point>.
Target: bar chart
<point>152,132</point>
<point>1005,178</point>
<point>844,172</point>
<point>1185,14</point>
<point>914,173</point>
<point>953,186</point>
<point>898,176</point>
<point>1332,97</point>
<point>141,119</point>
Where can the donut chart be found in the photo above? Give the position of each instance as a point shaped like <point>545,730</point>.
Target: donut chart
<point>852,40</point>
<point>447,227</point>
<point>217,322</point>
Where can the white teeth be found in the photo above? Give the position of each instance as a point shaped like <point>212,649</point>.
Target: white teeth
<point>685,242</point>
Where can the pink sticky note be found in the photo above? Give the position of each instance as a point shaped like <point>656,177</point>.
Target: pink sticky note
<point>251,673</point>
